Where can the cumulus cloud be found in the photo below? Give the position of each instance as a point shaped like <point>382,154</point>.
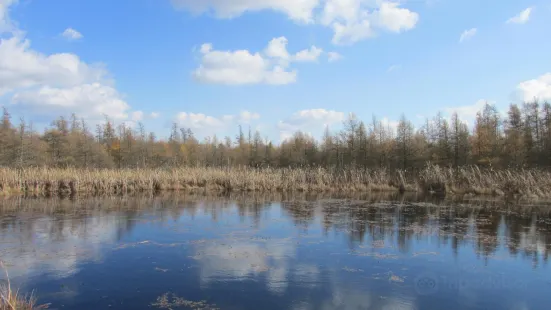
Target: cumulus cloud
<point>53,84</point>
<point>56,83</point>
<point>277,48</point>
<point>309,120</point>
<point>22,67</point>
<point>201,121</point>
<point>298,10</point>
<point>90,100</point>
<point>521,18</point>
<point>356,20</point>
<point>538,88</point>
<point>246,116</point>
<point>467,34</point>
<point>240,67</point>
<point>71,34</point>
<point>207,125</point>
<point>393,18</point>
<point>351,20</point>
<point>311,54</point>
<point>5,22</point>
<point>352,33</point>
<point>244,67</point>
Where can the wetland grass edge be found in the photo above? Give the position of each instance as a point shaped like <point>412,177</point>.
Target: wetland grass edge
<point>466,181</point>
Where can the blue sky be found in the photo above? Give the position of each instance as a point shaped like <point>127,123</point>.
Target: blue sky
<point>276,65</point>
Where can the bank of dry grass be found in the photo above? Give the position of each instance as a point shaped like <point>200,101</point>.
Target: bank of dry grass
<point>10,299</point>
<point>432,179</point>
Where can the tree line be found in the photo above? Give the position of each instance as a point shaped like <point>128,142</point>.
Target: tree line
<point>521,138</point>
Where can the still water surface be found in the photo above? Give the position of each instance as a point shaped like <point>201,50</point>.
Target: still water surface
<point>257,253</point>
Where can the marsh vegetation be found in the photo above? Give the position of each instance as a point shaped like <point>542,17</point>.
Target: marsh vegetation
<point>464,181</point>
<point>11,299</point>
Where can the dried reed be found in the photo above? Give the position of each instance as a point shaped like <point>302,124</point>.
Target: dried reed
<point>431,179</point>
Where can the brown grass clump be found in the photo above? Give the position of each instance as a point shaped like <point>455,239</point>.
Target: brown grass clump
<point>11,299</point>
<point>432,179</point>
<point>166,302</point>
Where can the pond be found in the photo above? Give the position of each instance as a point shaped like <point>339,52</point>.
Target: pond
<point>258,252</point>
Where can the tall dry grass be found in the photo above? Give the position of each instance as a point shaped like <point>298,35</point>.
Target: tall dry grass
<point>11,299</point>
<point>431,179</point>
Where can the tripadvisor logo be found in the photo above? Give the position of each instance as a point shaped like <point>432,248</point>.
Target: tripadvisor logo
<point>430,283</point>
<point>426,284</point>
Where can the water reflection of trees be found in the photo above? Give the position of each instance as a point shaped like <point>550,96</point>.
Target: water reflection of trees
<point>487,226</point>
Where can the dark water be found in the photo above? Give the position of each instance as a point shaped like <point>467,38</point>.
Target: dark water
<point>252,253</point>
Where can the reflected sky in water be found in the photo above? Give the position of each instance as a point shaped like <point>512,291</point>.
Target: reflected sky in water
<point>252,252</point>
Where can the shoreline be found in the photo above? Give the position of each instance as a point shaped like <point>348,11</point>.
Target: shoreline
<point>432,180</point>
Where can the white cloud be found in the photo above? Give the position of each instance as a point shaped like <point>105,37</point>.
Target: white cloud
<point>277,48</point>
<point>356,20</point>
<point>71,34</point>
<point>312,54</point>
<point>200,121</point>
<point>247,117</point>
<point>393,18</point>
<point>239,67</point>
<point>522,18</point>
<point>207,125</point>
<point>351,20</point>
<point>298,10</point>
<point>243,67</point>
<point>137,116</point>
<point>346,10</point>
<point>309,120</point>
<point>467,113</point>
<point>5,22</point>
<point>467,34</point>
<point>87,100</point>
<point>539,88</point>
<point>154,115</point>
<point>352,33</point>
<point>57,83</point>
<point>22,67</point>
<point>334,56</point>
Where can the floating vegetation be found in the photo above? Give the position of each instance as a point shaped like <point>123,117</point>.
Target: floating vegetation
<point>351,269</point>
<point>376,255</point>
<point>424,253</point>
<point>171,301</point>
<point>395,278</point>
<point>147,242</point>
